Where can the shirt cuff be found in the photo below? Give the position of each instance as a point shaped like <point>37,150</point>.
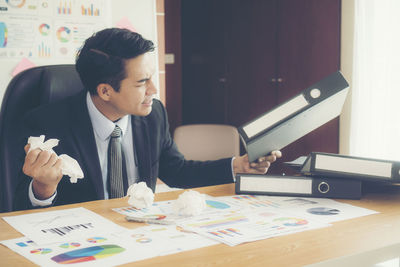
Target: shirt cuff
<point>40,203</point>
<point>233,173</point>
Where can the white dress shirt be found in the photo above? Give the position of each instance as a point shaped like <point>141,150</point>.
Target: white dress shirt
<point>102,128</point>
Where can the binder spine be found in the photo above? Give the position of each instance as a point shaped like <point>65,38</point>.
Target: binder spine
<point>396,171</point>
<point>297,186</point>
<point>350,167</point>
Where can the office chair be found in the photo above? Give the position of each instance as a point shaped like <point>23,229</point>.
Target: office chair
<point>204,142</point>
<point>207,141</point>
<point>26,91</point>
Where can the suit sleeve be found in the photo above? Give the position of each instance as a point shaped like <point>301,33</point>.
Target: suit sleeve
<point>176,171</point>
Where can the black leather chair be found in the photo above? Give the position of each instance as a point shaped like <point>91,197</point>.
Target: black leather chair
<point>26,91</point>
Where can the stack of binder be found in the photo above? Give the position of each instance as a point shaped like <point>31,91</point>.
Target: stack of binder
<point>323,175</point>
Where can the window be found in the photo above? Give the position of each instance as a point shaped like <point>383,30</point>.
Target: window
<point>375,115</point>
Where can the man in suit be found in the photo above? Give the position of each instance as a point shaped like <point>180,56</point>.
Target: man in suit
<point>116,69</point>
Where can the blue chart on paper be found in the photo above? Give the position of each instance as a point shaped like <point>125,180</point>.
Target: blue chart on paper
<point>217,204</point>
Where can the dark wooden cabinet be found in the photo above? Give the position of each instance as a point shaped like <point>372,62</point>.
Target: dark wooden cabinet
<point>242,58</point>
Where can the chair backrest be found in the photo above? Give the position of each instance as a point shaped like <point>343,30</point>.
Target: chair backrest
<point>207,141</point>
<point>26,91</point>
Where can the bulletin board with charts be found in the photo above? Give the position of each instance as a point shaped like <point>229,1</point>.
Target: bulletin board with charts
<point>47,32</point>
<point>49,29</point>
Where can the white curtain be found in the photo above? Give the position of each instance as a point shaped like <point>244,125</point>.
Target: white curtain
<point>375,115</point>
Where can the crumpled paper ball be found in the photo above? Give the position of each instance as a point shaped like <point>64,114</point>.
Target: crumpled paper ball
<point>38,142</point>
<point>190,203</point>
<point>69,166</point>
<point>140,196</point>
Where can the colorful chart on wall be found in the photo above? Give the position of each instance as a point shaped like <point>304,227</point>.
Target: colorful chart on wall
<point>44,29</point>
<point>63,34</point>
<point>3,35</point>
<point>16,3</point>
<point>49,29</point>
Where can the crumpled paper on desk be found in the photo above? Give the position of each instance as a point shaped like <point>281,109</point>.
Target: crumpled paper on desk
<point>69,166</point>
<point>190,203</point>
<point>141,196</point>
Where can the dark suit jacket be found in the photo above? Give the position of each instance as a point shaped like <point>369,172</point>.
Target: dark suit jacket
<point>156,152</point>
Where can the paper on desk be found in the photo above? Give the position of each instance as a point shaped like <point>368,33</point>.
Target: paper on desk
<point>322,209</point>
<point>250,225</point>
<point>61,225</point>
<point>103,249</point>
<point>69,167</point>
<point>178,239</point>
<point>164,210</point>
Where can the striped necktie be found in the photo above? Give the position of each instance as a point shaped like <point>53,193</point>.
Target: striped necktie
<point>115,165</point>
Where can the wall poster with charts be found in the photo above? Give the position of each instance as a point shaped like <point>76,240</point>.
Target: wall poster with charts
<point>49,29</point>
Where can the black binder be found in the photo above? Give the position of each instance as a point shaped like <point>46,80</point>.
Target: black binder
<point>343,166</point>
<point>313,107</point>
<point>256,184</point>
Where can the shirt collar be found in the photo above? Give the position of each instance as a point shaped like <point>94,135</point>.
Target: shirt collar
<point>103,127</point>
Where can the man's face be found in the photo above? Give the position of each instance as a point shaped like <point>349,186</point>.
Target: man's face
<point>135,96</point>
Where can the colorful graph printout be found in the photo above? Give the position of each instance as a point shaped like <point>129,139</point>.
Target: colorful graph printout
<point>254,202</point>
<point>25,244</point>
<point>96,239</point>
<point>88,254</point>
<point>165,208</point>
<point>217,204</point>
<point>41,251</point>
<point>62,225</point>
<point>248,226</point>
<point>178,240</point>
<point>289,221</point>
<point>321,209</point>
<point>210,223</point>
<point>115,250</point>
<point>70,245</point>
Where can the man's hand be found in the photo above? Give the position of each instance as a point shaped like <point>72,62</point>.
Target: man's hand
<point>45,169</point>
<point>242,165</point>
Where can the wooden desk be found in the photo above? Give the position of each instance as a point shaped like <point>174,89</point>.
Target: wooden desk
<point>343,238</point>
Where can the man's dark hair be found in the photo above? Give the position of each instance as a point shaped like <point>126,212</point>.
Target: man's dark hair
<point>102,57</point>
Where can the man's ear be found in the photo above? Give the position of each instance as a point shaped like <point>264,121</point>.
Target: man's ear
<point>104,90</point>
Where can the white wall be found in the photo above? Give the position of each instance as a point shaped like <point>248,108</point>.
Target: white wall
<point>140,13</point>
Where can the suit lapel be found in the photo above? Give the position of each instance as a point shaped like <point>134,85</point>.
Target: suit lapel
<point>83,135</point>
<point>142,148</point>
